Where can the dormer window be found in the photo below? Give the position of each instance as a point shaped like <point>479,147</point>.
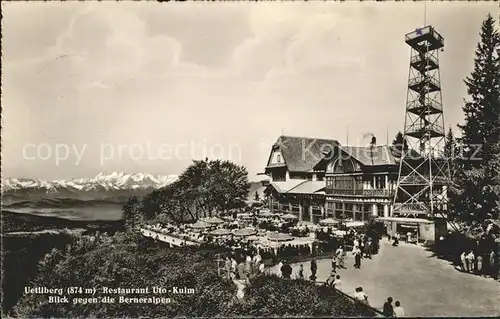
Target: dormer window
<point>278,158</point>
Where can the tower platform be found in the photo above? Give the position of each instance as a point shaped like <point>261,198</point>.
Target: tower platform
<point>424,39</point>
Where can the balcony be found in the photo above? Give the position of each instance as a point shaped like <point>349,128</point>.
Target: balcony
<point>424,84</point>
<point>425,39</point>
<point>410,209</point>
<point>378,193</point>
<point>424,63</point>
<point>428,107</point>
<point>361,192</point>
<point>419,130</point>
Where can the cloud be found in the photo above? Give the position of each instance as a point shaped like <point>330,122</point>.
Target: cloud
<point>295,40</point>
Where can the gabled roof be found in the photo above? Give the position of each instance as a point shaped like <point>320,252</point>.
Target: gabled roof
<point>299,186</point>
<point>371,156</point>
<point>301,154</point>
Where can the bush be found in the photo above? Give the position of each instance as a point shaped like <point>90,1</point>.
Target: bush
<point>270,296</point>
<point>123,261</point>
<point>127,260</point>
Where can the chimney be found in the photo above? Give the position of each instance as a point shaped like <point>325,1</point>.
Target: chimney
<point>374,141</point>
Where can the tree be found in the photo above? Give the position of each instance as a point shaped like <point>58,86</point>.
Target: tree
<point>119,262</point>
<point>172,201</point>
<point>215,185</point>
<point>127,260</point>
<point>481,128</point>
<point>256,196</point>
<point>450,152</point>
<point>131,210</point>
<point>203,187</point>
<point>400,143</point>
<point>475,193</point>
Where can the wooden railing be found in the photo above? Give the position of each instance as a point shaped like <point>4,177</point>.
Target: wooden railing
<point>361,192</point>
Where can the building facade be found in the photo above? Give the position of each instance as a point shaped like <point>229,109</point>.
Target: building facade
<point>360,182</point>
<point>318,178</point>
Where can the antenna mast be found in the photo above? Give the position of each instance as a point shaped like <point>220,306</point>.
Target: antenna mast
<point>425,13</point>
<point>347,135</point>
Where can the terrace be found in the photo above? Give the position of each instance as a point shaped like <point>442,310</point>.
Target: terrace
<point>263,231</point>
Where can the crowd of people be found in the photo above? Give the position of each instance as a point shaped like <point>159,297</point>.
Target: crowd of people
<point>393,311</point>
<point>478,264</point>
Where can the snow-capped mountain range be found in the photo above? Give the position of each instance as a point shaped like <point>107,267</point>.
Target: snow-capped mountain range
<point>101,182</point>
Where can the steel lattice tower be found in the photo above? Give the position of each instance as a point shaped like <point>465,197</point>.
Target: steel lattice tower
<point>421,189</point>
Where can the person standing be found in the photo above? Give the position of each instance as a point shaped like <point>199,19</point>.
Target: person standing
<point>227,267</point>
<point>340,257</point>
<point>301,271</point>
<point>398,310</point>
<point>356,242</point>
<point>280,267</point>
<point>286,270</point>
<point>479,265</point>
<point>262,268</point>
<point>314,268</point>
<point>357,257</point>
<point>388,310</point>
<point>470,261</point>
<point>396,240</point>
<point>334,263</point>
<point>369,247</point>
<point>234,265</point>
<point>491,263</point>
<point>361,296</point>
<point>463,260</point>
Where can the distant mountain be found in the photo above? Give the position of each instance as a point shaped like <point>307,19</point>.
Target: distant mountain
<point>113,182</point>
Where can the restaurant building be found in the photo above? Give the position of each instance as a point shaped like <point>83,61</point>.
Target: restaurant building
<point>318,178</point>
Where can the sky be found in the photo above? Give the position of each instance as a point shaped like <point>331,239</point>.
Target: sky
<point>148,87</point>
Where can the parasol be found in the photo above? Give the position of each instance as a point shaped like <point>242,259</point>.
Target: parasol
<point>200,225</point>
<point>266,213</point>
<point>280,237</point>
<point>329,222</point>
<point>245,232</point>
<point>220,232</point>
<point>289,216</point>
<point>214,220</point>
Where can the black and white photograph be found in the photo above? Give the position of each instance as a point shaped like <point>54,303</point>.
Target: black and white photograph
<point>243,159</point>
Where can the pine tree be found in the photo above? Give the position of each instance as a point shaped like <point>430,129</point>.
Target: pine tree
<point>398,139</point>
<point>450,152</point>
<point>131,212</point>
<point>256,196</point>
<point>476,193</point>
<point>399,143</point>
<point>481,128</point>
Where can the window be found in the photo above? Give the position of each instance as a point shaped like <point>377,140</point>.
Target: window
<point>344,182</point>
<point>278,158</point>
<point>329,182</point>
<point>279,177</point>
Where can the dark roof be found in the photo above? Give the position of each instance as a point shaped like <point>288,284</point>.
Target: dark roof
<point>301,154</point>
<point>371,156</point>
